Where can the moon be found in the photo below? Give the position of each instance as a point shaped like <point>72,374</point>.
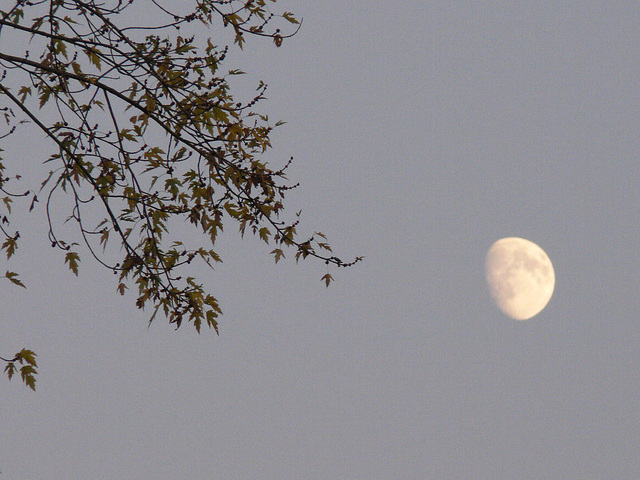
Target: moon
<point>520,277</point>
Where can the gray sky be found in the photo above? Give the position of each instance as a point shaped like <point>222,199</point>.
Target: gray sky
<point>422,131</point>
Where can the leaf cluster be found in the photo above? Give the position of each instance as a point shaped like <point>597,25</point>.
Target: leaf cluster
<point>147,137</point>
<point>24,362</point>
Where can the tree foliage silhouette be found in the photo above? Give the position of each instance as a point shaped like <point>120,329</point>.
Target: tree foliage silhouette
<point>145,136</point>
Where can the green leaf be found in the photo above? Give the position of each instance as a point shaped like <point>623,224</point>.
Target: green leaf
<point>10,245</point>
<point>77,69</point>
<point>28,376</point>
<point>23,92</point>
<point>324,245</point>
<point>45,93</point>
<point>278,253</point>
<point>126,134</point>
<point>7,202</point>
<point>264,234</point>
<point>60,47</point>
<point>327,279</point>
<point>13,277</point>
<point>121,288</point>
<point>104,238</point>
<point>10,369</point>
<point>290,18</point>
<point>93,57</point>
<point>27,356</point>
<point>72,259</point>
<point>239,37</point>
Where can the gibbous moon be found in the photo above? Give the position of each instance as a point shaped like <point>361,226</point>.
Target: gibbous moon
<point>520,277</point>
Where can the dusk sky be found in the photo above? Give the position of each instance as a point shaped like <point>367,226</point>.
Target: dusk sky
<point>422,132</point>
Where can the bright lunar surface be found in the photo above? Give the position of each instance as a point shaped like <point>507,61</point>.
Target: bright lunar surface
<point>520,277</point>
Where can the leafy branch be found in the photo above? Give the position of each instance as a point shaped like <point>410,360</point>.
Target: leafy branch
<point>26,365</point>
<point>147,137</point>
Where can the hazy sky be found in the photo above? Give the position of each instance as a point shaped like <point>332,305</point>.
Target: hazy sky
<point>423,131</point>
